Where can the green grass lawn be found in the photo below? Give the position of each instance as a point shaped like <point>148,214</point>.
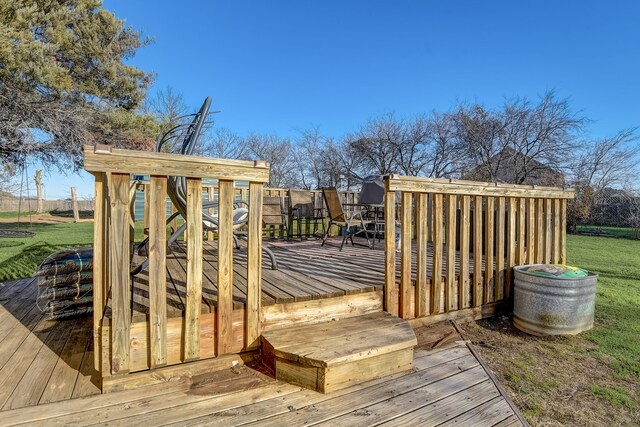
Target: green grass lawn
<point>607,231</point>
<point>21,257</point>
<point>617,331</point>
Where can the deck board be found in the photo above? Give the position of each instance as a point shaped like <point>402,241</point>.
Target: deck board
<point>447,386</point>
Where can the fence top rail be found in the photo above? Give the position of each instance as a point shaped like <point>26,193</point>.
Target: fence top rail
<point>414,184</point>
<point>103,158</point>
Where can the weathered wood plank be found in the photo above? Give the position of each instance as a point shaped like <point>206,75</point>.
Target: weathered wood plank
<point>539,231</point>
<point>531,232</point>
<point>194,270</point>
<point>451,292</point>
<point>489,233</point>
<point>556,231</point>
<point>464,291</point>
<point>107,159</point>
<point>254,265</point>
<point>421,291</point>
<point>500,273</point>
<point>477,251</point>
<point>436,281</point>
<point>119,271</point>
<point>473,188</point>
<point>521,257</point>
<point>511,246</point>
<point>99,220</point>
<point>548,243</point>
<point>225,266</point>
<point>563,232</point>
<point>390,253</point>
<point>156,219</point>
<point>405,257</point>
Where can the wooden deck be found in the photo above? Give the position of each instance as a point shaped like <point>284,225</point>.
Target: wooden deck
<point>307,271</point>
<point>49,364</point>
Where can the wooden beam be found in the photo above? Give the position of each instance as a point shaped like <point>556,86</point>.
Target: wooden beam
<point>473,188</point>
<point>539,231</point>
<point>556,231</point>
<point>500,274</point>
<point>194,270</point>
<point>405,257</point>
<point>465,207</point>
<point>119,270</point>
<point>511,246</point>
<point>563,232</point>
<point>254,266</point>
<point>522,218</point>
<point>421,290</point>
<point>436,270</point>
<point>225,267</point>
<point>451,292</point>
<point>156,194</point>
<point>107,159</point>
<point>547,231</point>
<point>531,232</point>
<point>390,252</point>
<point>477,251</point>
<point>489,232</point>
<point>98,264</point>
<point>74,205</point>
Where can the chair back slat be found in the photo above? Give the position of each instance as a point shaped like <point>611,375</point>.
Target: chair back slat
<point>272,211</point>
<point>334,205</point>
<point>302,202</point>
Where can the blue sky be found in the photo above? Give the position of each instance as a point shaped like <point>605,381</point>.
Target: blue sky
<point>280,66</point>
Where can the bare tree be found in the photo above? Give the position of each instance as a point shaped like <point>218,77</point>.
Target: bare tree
<point>376,144</point>
<point>279,153</point>
<point>224,144</point>
<point>445,153</point>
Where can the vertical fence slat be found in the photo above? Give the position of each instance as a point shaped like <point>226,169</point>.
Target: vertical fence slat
<point>563,231</point>
<point>511,246</point>
<point>421,294</point>
<point>489,278</point>
<point>254,265</point>
<point>194,270</point>
<point>463,284</point>
<point>225,267</point>
<point>500,225</point>
<point>156,220</point>
<point>477,251</point>
<point>436,271</point>
<point>531,232</point>
<point>556,231</point>
<point>405,257</point>
<point>119,266</point>
<point>539,231</point>
<point>211,197</point>
<point>98,266</point>
<point>522,218</point>
<point>390,253</point>
<point>146,206</point>
<point>451,291</point>
<point>547,231</point>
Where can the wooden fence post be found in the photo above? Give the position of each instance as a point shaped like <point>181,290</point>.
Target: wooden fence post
<point>40,205</point>
<point>390,251</point>
<point>157,213</point>
<point>254,266</point>
<point>74,205</point>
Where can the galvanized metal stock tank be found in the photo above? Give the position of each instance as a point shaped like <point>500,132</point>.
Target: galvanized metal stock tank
<point>553,306</point>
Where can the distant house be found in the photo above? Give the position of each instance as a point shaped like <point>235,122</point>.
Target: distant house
<point>509,166</point>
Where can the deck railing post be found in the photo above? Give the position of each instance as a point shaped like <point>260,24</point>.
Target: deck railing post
<point>390,304</point>
<point>156,219</point>
<point>224,310</point>
<point>405,257</point>
<point>119,266</point>
<point>193,299</point>
<point>254,266</point>
<point>421,289</point>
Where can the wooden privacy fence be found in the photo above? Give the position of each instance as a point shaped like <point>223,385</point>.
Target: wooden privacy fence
<point>124,344</point>
<point>475,233</point>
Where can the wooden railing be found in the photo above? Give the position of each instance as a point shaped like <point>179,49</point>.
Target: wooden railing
<point>122,345</point>
<point>490,227</point>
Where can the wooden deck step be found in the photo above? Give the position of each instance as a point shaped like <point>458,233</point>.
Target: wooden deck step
<point>332,355</point>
